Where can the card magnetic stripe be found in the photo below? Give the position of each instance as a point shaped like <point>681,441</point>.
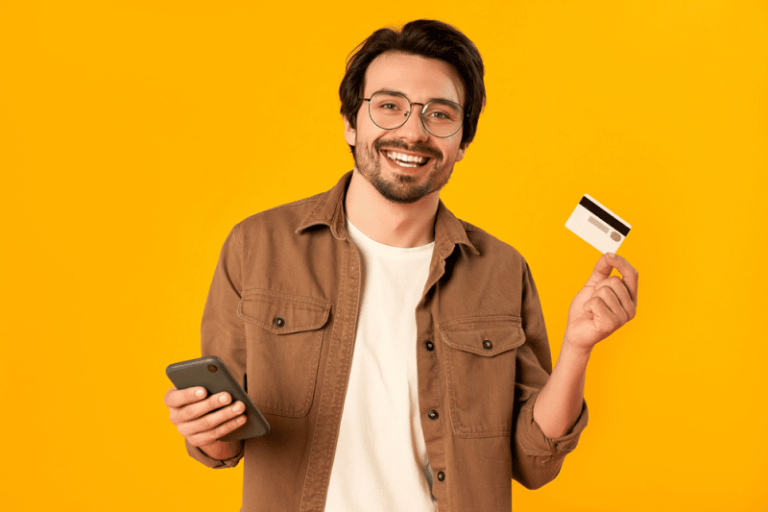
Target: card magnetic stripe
<point>604,216</point>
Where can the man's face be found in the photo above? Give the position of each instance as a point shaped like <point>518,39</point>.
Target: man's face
<point>379,153</point>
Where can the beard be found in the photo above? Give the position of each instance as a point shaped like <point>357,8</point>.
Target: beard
<point>401,188</point>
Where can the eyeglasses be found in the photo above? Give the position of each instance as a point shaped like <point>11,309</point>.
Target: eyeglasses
<point>390,110</point>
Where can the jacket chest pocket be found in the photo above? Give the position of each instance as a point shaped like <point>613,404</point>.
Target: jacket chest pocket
<point>480,359</point>
<point>284,334</point>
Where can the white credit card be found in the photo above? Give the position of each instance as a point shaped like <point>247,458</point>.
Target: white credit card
<point>597,225</point>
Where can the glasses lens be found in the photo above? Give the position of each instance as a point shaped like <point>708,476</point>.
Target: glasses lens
<point>442,118</point>
<point>388,110</point>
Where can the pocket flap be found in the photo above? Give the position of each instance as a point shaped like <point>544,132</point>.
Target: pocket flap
<point>484,336</point>
<point>281,313</point>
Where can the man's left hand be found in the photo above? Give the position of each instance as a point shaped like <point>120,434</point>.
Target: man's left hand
<point>604,304</point>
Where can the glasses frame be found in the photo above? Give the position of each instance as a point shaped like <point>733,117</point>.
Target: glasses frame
<point>410,110</point>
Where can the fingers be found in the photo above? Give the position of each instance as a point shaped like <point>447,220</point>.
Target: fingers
<point>209,428</point>
<point>180,398</point>
<point>605,320</point>
<point>602,271</point>
<point>611,306</point>
<point>195,410</point>
<point>208,437</point>
<point>617,297</point>
<point>628,273</point>
<point>203,420</point>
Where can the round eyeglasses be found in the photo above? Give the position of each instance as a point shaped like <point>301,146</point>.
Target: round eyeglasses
<point>390,110</point>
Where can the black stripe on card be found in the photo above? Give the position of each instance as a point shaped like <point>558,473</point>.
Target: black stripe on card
<point>604,216</point>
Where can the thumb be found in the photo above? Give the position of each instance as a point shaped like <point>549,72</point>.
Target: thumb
<point>601,271</point>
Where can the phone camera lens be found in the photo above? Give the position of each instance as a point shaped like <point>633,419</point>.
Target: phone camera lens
<point>212,368</point>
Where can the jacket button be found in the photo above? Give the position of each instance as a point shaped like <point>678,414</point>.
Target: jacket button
<point>279,321</point>
<point>430,346</point>
<point>433,414</point>
<point>487,344</point>
<point>440,476</point>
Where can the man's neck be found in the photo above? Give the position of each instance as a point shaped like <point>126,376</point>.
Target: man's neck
<point>387,222</point>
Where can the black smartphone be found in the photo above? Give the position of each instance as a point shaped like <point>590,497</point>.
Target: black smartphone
<point>212,374</point>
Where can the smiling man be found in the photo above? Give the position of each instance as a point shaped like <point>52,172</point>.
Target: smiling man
<point>398,353</point>
<point>415,166</point>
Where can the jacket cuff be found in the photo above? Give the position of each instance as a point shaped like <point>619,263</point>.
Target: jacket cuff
<point>534,443</point>
<point>202,457</point>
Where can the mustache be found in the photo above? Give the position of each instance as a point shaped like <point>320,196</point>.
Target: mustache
<point>399,144</point>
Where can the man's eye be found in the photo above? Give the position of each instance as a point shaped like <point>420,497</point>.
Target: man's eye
<point>389,108</point>
<point>438,115</point>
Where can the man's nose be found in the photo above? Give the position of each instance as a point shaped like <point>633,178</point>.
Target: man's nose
<point>414,129</point>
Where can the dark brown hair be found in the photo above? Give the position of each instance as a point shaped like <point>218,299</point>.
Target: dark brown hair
<point>426,38</point>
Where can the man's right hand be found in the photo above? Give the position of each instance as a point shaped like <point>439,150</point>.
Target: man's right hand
<point>203,420</point>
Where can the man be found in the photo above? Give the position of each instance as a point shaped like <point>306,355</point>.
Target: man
<point>398,353</point>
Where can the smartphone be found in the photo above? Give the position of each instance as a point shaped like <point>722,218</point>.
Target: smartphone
<point>212,374</point>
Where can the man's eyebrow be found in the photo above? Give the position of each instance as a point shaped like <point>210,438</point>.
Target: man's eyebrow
<point>388,91</point>
<point>395,91</point>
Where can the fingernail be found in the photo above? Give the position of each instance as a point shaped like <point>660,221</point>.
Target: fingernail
<point>610,254</point>
<point>224,399</point>
<point>241,419</point>
<point>238,407</point>
<point>199,393</point>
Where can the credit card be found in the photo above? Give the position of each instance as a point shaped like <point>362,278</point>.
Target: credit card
<point>597,225</point>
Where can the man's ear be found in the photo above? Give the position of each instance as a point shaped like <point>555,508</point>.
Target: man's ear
<point>350,134</point>
<point>462,149</point>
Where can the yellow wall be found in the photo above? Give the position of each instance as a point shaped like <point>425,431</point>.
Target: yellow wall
<point>136,134</point>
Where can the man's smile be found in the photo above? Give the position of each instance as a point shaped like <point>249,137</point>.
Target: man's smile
<point>405,156</point>
<point>405,160</point>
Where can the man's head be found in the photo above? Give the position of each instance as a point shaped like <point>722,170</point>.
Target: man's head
<point>420,72</point>
<point>425,38</point>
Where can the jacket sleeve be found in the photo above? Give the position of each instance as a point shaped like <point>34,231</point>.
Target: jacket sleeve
<point>222,331</point>
<point>536,459</point>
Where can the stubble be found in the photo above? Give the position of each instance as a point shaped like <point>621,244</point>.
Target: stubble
<point>400,188</point>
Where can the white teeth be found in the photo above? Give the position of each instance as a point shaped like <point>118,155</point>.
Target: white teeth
<point>406,159</point>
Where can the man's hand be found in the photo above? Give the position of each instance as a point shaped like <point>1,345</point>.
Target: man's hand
<point>192,414</point>
<point>603,305</point>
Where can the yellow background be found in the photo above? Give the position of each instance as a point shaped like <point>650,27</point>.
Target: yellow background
<point>135,134</point>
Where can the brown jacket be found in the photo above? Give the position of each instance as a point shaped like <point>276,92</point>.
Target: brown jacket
<point>282,312</point>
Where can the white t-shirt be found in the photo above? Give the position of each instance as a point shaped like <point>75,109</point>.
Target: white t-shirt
<point>381,460</point>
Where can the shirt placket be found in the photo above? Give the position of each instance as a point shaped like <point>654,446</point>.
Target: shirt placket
<point>433,413</point>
